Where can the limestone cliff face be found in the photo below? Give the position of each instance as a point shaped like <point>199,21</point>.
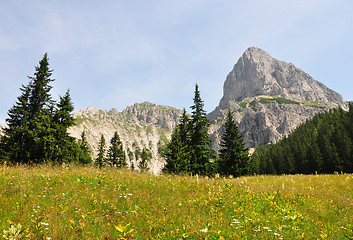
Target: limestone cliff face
<point>269,98</point>
<point>139,126</point>
<point>257,73</point>
<point>262,119</point>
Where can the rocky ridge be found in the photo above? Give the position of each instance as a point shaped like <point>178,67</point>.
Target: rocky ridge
<point>142,125</point>
<point>269,99</point>
<point>257,73</point>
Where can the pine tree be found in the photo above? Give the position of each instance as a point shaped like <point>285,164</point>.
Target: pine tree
<point>200,142</point>
<point>184,128</point>
<point>145,157</point>
<point>116,153</point>
<point>84,152</point>
<point>65,144</point>
<point>101,152</point>
<point>37,126</point>
<point>233,156</point>
<point>30,137</point>
<point>177,155</point>
<point>40,98</point>
<point>15,142</point>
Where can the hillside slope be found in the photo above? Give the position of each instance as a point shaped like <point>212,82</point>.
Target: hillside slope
<point>142,125</point>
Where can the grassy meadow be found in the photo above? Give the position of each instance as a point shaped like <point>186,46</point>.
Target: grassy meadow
<point>69,202</point>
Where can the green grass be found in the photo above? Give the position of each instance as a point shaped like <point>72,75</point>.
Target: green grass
<point>243,104</point>
<point>279,100</point>
<point>253,105</point>
<point>315,104</point>
<point>89,203</point>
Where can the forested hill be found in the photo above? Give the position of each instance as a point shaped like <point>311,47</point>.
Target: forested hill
<point>323,144</point>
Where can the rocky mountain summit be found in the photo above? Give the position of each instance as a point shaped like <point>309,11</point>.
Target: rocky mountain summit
<point>142,125</point>
<point>270,98</point>
<point>257,73</point>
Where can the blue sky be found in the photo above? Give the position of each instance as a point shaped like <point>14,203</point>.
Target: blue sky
<point>114,53</point>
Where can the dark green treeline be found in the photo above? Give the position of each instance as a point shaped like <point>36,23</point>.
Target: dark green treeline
<point>323,144</point>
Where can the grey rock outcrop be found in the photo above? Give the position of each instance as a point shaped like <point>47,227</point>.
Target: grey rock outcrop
<point>262,123</point>
<point>269,99</point>
<point>143,125</point>
<point>257,73</point>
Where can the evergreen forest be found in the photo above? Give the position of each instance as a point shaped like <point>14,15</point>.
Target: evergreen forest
<point>323,144</point>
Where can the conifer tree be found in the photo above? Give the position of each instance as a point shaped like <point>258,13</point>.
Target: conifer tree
<point>65,144</point>
<point>15,143</point>
<point>233,156</point>
<point>40,98</point>
<point>132,165</point>
<point>200,142</point>
<point>30,136</point>
<point>84,152</point>
<point>145,157</point>
<point>116,153</point>
<point>101,152</point>
<point>37,126</point>
<point>177,155</point>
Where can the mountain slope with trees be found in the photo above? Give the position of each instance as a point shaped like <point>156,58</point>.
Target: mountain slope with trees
<point>270,98</point>
<point>139,126</point>
<point>323,144</point>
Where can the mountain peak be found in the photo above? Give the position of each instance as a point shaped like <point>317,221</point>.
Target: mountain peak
<point>255,50</point>
<point>257,73</point>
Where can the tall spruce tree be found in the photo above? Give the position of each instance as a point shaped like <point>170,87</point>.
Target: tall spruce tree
<point>145,158</point>
<point>40,100</point>
<point>233,156</point>
<point>15,143</point>
<point>32,134</point>
<point>84,152</point>
<point>200,142</point>
<point>116,153</point>
<point>101,152</point>
<point>177,155</point>
<point>65,144</point>
<point>37,126</point>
